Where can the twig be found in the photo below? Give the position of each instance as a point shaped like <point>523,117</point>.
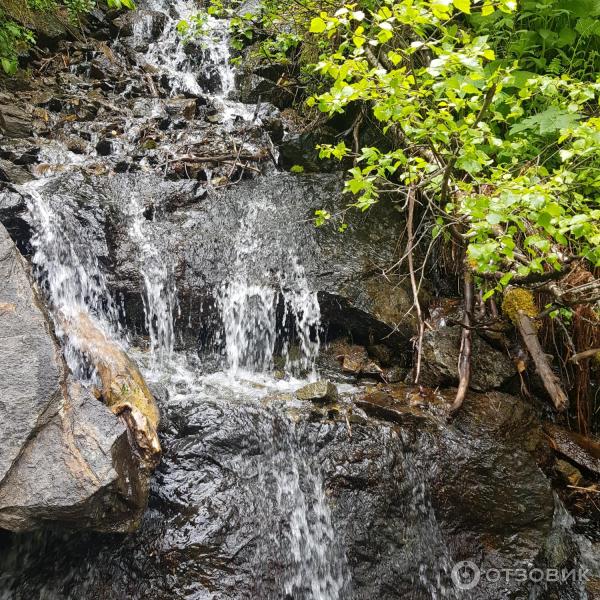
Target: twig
<point>584,489</point>
<point>583,355</point>
<point>413,279</point>
<point>464,357</point>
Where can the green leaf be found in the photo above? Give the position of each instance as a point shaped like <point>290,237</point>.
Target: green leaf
<point>549,121</point>
<point>317,25</point>
<point>463,5</point>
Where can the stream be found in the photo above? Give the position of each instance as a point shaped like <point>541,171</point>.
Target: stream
<point>259,495</point>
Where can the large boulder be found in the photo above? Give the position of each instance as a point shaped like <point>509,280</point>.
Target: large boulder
<point>394,497</point>
<point>64,457</point>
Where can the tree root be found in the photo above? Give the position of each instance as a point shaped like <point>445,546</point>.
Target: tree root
<point>464,357</point>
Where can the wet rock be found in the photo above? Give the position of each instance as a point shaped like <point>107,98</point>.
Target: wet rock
<point>78,471</point>
<point>570,474</point>
<point>13,173</point>
<point>186,107</point>
<point>104,148</point>
<point>354,359</point>
<point>583,451</point>
<point>490,368</point>
<point>64,456</point>
<point>14,121</point>
<point>407,495</point>
<point>319,391</point>
<point>300,149</point>
<point>254,89</point>
<point>383,354</point>
<point>145,25</point>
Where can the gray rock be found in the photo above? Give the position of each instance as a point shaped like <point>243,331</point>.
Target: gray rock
<point>319,391</point>
<point>14,122</point>
<point>13,173</point>
<point>64,457</point>
<point>490,368</point>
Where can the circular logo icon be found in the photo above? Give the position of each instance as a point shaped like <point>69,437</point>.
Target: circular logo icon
<point>465,575</point>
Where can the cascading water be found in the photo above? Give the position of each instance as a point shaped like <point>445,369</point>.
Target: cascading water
<point>315,564</point>
<point>249,303</point>
<point>264,311</point>
<point>69,272</point>
<point>160,295</point>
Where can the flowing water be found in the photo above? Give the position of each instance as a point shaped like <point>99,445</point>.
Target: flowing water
<point>288,490</point>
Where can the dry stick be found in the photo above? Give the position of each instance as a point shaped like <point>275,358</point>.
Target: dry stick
<point>413,279</point>
<point>542,365</point>
<point>218,158</point>
<point>585,354</point>
<point>464,357</point>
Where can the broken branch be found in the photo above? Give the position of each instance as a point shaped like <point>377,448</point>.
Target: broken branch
<point>542,365</point>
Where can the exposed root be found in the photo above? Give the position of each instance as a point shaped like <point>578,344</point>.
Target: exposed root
<point>464,357</point>
<point>413,279</point>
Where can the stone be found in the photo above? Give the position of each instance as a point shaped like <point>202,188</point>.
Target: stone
<point>144,25</point>
<point>409,495</point>
<point>14,173</point>
<point>64,457</point>
<point>490,368</point>
<point>14,122</point>
<point>354,359</point>
<point>382,354</point>
<point>186,107</point>
<point>570,474</point>
<point>319,391</point>
<point>78,471</point>
<point>104,148</point>
<point>582,450</point>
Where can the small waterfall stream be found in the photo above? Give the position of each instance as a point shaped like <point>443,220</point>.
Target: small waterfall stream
<point>291,508</point>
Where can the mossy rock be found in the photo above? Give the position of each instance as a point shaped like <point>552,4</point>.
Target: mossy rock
<point>52,23</point>
<point>516,300</point>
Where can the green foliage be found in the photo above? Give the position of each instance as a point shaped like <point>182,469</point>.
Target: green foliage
<point>489,111</point>
<point>16,39</point>
<point>194,27</point>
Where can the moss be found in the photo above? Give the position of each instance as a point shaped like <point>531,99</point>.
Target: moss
<point>518,299</point>
<point>52,23</point>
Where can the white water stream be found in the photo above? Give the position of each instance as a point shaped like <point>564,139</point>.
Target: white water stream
<point>262,313</point>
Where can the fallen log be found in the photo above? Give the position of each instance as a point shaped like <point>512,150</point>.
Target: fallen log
<point>579,449</point>
<point>123,388</point>
<point>550,380</point>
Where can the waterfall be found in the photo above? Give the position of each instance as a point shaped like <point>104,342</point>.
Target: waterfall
<point>315,564</point>
<point>249,301</point>
<point>69,272</point>
<point>267,307</point>
<point>160,294</point>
